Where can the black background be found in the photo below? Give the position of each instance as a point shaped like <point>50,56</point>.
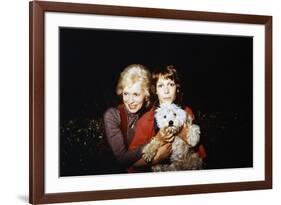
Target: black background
<point>216,73</point>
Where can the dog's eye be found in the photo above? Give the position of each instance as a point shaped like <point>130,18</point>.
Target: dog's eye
<point>175,114</point>
<point>165,116</point>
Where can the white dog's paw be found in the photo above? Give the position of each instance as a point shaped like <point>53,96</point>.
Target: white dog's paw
<point>194,135</point>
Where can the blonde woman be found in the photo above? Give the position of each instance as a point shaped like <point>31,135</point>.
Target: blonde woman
<point>134,89</point>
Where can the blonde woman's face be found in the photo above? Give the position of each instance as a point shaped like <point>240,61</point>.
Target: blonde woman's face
<point>166,90</point>
<point>133,97</point>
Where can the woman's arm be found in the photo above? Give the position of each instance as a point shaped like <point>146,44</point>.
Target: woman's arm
<point>157,150</point>
<point>162,154</point>
<point>115,138</point>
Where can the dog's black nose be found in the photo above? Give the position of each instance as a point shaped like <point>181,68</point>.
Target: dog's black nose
<point>171,123</point>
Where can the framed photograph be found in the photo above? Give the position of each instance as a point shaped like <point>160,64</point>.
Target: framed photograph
<point>77,55</point>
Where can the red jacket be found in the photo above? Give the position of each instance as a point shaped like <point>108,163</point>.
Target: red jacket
<point>144,131</point>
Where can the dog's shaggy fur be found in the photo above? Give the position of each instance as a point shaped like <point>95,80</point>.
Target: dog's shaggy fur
<point>172,118</point>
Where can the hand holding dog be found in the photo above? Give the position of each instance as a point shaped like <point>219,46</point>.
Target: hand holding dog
<point>164,135</point>
<point>190,134</point>
<point>184,133</point>
<point>163,153</point>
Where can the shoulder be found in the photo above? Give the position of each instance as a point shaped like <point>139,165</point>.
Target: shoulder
<point>189,111</point>
<point>111,113</point>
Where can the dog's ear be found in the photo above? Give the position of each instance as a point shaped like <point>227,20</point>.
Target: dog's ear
<point>159,116</point>
<point>181,115</point>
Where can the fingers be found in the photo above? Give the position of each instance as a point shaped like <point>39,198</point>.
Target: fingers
<point>164,132</point>
<point>169,138</point>
<point>166,135</point>
<point>168,145</point>
<point>169,148</point>
<point>170,151</point>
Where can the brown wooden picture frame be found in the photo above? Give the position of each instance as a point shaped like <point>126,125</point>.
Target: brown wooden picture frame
<point>37,96</point>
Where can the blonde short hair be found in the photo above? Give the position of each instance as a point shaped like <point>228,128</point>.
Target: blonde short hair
<point>132,74</point>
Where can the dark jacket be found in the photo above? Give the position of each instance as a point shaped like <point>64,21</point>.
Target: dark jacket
<point>116,139</point>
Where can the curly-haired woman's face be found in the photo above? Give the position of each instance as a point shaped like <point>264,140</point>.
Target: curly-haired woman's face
<point>166,90</point>
<point>133,97</point>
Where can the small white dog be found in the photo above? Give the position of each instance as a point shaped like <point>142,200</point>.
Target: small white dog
<point>172,118</point>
